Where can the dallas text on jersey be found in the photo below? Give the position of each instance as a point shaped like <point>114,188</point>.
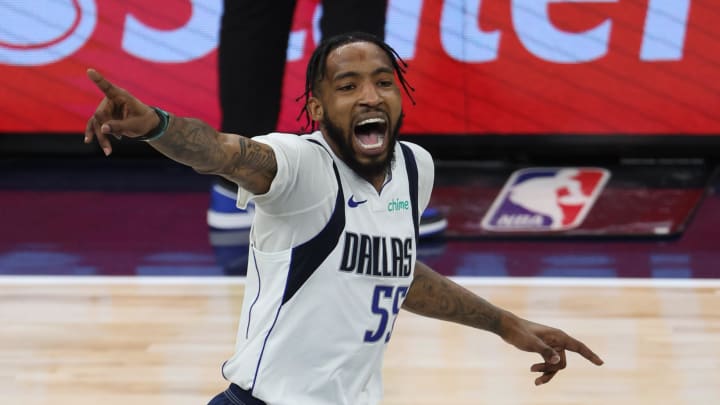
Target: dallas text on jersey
<point>365,254</point>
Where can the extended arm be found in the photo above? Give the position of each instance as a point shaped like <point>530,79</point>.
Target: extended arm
<point>436,296</point>
<point>189,141</point>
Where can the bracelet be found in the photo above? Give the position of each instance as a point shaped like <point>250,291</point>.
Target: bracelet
<point>160,129</point>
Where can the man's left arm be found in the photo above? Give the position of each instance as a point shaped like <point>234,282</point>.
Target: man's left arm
<point>436,296</point>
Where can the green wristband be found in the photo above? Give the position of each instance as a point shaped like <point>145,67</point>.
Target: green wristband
<point>160,129</point>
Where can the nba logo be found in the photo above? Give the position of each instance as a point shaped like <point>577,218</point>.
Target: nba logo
<point>545,199</point>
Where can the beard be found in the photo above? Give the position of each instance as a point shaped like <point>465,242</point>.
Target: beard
<point>347,154</point>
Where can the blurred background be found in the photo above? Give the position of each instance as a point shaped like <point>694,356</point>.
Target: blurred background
<point>576,146</point>
<point>570,138</point>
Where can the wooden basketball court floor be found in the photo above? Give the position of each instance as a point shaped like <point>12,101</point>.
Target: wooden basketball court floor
<point>145,340</point>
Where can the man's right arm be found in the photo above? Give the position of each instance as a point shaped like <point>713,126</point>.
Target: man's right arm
<point>194,143</point>
<point>186,140</point>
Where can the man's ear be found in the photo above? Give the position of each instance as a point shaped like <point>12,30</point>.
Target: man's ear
<point>315,109</point>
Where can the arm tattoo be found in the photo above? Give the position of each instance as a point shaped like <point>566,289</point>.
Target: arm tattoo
<point>196,144</point>
<point>254,164</point>
<point>193,143</point>
<point>436,296</point>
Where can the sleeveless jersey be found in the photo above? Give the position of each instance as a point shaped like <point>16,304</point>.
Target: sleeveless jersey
<point>317,315</point>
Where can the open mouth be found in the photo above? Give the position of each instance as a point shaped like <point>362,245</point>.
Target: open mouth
<point>371,132</point>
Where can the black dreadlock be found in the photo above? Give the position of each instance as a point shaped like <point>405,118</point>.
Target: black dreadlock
<point>316,67</point>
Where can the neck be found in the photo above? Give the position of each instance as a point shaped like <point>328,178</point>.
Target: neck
<point>377,182</point>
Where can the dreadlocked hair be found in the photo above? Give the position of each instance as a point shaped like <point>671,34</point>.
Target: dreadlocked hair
<point>316,67</point>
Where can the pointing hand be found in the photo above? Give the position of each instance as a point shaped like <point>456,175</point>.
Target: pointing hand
<point>119,114</point>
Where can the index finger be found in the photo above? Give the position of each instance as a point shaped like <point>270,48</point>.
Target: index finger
<point>579,347</point>
<point>102,83</point>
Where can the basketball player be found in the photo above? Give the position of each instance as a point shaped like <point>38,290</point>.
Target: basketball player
<point>250,99</point>
<point>333,243</point>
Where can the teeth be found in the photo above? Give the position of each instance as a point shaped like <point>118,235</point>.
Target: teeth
<point>374,145</point>
<point>371,121</point>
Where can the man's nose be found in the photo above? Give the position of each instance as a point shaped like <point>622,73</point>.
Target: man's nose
<point>370,95</point>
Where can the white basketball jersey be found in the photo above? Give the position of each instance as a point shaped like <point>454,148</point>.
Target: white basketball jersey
<point>316,317</point>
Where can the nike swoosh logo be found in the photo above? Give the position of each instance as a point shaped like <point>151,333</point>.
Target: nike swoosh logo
<point>352,203</point>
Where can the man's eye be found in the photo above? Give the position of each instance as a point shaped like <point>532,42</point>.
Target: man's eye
<point>346,87</point>
<point>385,83</point>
